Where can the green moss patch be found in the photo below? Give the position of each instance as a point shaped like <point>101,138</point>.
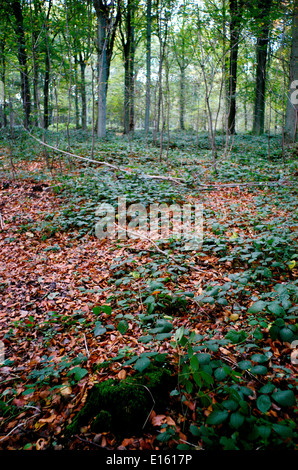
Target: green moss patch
<point>122,407</point>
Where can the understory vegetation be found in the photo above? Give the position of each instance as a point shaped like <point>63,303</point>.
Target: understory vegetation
<point>130,344</point>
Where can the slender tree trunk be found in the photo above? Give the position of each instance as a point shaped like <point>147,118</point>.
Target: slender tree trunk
<point>102,78</point>
<point>235,11</point>
<point>46,91</point>
<point>128,43</point>
<point>148,67</point>
<point>259,108</point>
<point>106,28</point>
<point>182,96</point>
<point>77,112</point>
<point>2,78</point>
<point>261,59</point>
<point>22,58</point>
<point>292,101</point>
<point>83,93</point>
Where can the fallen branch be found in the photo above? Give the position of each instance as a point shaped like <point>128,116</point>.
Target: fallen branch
<point>144,237</point>
<point>109,165</point>
<point>251,183</point>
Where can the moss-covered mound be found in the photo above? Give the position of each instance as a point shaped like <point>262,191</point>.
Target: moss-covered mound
<point>123,406</point>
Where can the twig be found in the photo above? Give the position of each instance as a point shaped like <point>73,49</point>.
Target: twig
<point>87,441</point>
<point>113,167</point>
<point>19,425</point>
<point>157,247</point>
<point>87,350</point>
<point>1,222</point>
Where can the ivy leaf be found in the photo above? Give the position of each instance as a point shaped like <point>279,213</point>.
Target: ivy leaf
<point>264,403</point>
<point>284,397</point>
<point>217,417</point>
<point>236,420</point>
<point>142,364</point>
<point>257,307</point>
<point>78,372</point>
<point>122,327</point>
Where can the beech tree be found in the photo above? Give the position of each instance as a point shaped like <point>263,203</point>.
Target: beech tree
<point>261,11</point>
<point>108,16</point>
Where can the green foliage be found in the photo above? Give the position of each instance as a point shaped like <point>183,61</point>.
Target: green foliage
<point>123,406</point>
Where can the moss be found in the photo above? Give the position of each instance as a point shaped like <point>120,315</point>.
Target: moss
<point>6,409</point>
<point>123,406</point>
<point>102,421</point>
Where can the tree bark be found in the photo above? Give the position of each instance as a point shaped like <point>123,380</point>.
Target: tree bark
<point>106,27</point>
<point>292,101</point>
<point>128,43</point>
<point>83,93</point>
<point>3,121</point>
<point>264,6</point>
<point>46,90</point>
<point>148,67</point>
<point>182,97</point>
<point>22,58</point>
<point>235,25</point>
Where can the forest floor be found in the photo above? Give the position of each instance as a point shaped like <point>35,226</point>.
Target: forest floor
<point>76,310</point>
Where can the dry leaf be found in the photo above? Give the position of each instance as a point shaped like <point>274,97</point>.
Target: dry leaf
<point>158,420</point>
<point>122,374</point>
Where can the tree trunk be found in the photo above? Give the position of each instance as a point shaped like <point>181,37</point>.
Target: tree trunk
<point>77,112</point>
<point>106,28</point>
<point>148,67</point>
<point>46,90</point>
<point>292,101</point>
<point>235,24</point>
<point>83,93</point>
<point>129,53</point>
<point>182,97</point>
<point>3,122</point>
<point>22,58</point>
<point>261,59</point>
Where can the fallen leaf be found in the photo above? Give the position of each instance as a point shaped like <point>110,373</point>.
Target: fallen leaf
<point>158,420</point>
<point>122,374</point>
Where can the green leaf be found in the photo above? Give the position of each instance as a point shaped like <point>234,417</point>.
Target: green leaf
<point>244,365</point>
<point>78,372</point>
<point>230,404</point>
<point>122,327</point>
<point>283,431</point>
<point>145,339</point>
<point>102,308</point>
<point>208,300</point>
<point>286,335</point>
<point>275,308</point>
<point>268,388</point>
<point>264,431</point>
<point>165,325</point>
<point>259,358</point>
<point>235,336</point>
<point>259,370</point>
<point>236,420</point>
<point>257,307</point>
<point>162,336</point>
<point>142,364</point>
<point>179,333</point>
<point>220,374</point>
<point>203,358</point>
<point>194,363</point>
<point>284,397</point>
<point>263,403</point>
<point>99,330</point>
<point>217,417</point>
<point>194,430</point>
